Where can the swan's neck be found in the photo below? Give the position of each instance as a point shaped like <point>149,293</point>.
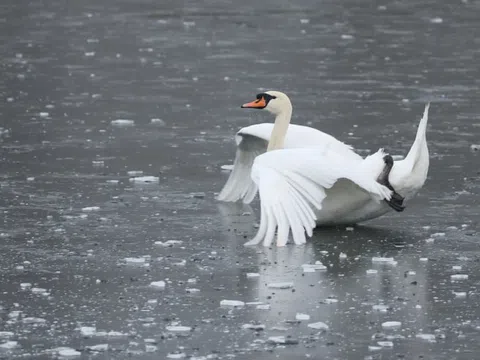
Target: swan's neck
<point>279,131</point>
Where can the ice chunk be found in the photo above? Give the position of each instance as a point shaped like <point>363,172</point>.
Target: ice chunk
<point>384,260</point>
<point>317,266</point>
<point>458,277</point>
<point>227,167</point>
<point>30,178</point>
<point>460,294</point>
<point>457,267</point>
<point>192,290</point>
<point>300,316</point>
<point>6,334</point>
<point>253,275</point>
<point>91,208</point>
<point>135,261</point>
<point>68,352</point>
<point>263,307</point>
<point>256,327</point>
<point>330,301</point>
<point>318,326</point>
<point>304,21</point>
<point>144,179</point>
<point>371,272</point>
<point>9,345</point>
<point>135,173</point>
<point>423,259</point>
<point>122,122</point>
<point>426,337</point>
<point>391,325</point>
<point>281,285</point>
<point>282,340</point>
<point>342,256</point>
<point>88,330</point>
<point>436,20</point>
<point>168,243</point>
<point>231,303</point>
<point>25,285</point>
<point>347,36</point>
<point>157,121</point>
<point>98,348</point>
<point>34,320</point>
<point>37,290</point>
<point>385,343</point>
<point>374,348</point>
<point>177,355</point>
<point>44,114</point>
<point>475,147</point>
<point>178,328</point>
<point>381,308</point>
<point>439,234</point>
<point>158,284</point>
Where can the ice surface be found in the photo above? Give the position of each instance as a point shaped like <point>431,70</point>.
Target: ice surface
<point>318,326</point>
<point>9,344</point>
<point>231,303</point>
<point>391,325</point>
<point>458,277</point>
<point>281,285</point>
<point>91,208</point>
<point>144,179</point>
<point>122,122</point>
<point>426,337</point>
<point>300,316</point>
<point>253,275</point>
<point>178,328</point>
<point>158,284</point>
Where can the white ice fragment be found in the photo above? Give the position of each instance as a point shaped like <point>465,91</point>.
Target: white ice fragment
<point>350,228</point>
<point>256,327</point>
<point>14,314</point>
<point>158,284</point>
<point>423,259</point>
<point>429,240</point>
<point>418,306</point>
<point>439,234</point>
<point>460,294</point>
<point>178,328</point>
<point>68,352</point>
<point>304,21</point>
<point>231,303</point>
<point>457,277</point>
<point>411,272</point>
<point>384,260</point>
<point>25,285</point>
<point>168,243</point>
<point>385,343</point>
<point>144,179</point>
<point>281,340</point>
<point>90,53</point>
<point>371,271</point>
<point>157,121</point>
<point>374,348</point>
<point>474,147</point>
<point>150,348</point>
<point>6,334</point>
<point>98,163</point>
<point>34,320</point>
<point>9,345</point>
<point>426,337</point>
<point>281,285</point>
<point>227,167</point>
<point>176,355</point>
<point>43,114</point>
<point>330,301</point>
<point>135,261</point>
<point>135,173</point>
<point>342,255</point>
<point>391,325</point>
<point>347,36</point>
<point>98,348</point>
<point>436,20</point>
<point>457,267</point>
<point>113,181</point>
<point>192,281</point>
<point>91,208</point>
<point>380,308</point>
<point>263,307</point>
<point>253,275</point>
<point>37,290</point>
<point>30,178</point>
<point>300,316</point>
<point>253,303</point>
<point>192,290</point>
<point>122,122</point>
<point>88,330</point>
<point>318,326</point>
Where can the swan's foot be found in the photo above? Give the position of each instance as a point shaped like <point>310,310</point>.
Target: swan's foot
<point>396,202</point>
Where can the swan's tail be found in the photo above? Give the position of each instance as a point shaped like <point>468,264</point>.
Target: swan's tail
<point>420,138</point>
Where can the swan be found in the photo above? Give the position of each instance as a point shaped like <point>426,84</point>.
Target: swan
<point>324,183</point>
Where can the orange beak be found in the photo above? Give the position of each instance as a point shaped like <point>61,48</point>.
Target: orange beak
<point>256,104</point>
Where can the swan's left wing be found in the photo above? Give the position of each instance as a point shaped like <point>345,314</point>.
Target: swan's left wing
<point>292,184</point>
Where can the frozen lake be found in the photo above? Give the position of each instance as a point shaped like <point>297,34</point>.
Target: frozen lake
<point>116,118</point>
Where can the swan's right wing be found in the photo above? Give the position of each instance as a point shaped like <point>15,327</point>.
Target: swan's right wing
<point>292,184</point>
<point>240,184</point>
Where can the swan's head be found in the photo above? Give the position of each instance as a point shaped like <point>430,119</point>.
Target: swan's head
<point>275,102</point>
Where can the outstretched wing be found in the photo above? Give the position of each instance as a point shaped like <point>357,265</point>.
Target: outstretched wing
<point>240,184</point>
<point>292,184</point>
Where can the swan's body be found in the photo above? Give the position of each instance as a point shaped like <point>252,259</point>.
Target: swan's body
<point>320,184</point>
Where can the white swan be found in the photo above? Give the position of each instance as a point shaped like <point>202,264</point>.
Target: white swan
<point>324,184</point>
